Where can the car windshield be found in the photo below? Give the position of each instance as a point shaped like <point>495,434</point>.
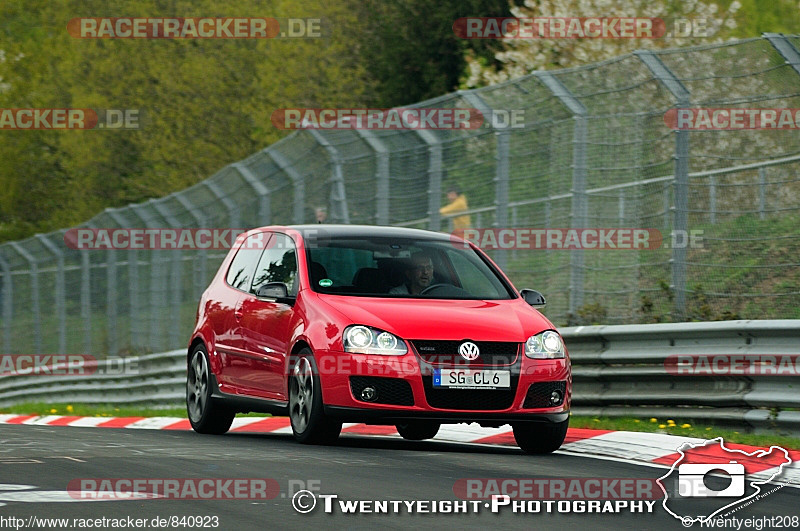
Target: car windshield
<point>398,267</point>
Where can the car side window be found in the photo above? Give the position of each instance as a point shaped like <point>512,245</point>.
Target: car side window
<point>278,264</point>
<point>243,265</point>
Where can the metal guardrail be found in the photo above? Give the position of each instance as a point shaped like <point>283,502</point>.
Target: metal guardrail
<point>618,371</point>
<point>154,379</point>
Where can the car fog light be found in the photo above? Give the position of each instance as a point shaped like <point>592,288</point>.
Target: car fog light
<point>555,397</point>
<point>368,394</point>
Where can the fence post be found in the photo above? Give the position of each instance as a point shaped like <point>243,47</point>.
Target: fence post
<point>712,199</point>
<point>785,47</point>
<point>680,222</point>
<point>174,319</point>
<point>86,298</point>
<point>434,178</point>
<point>260,189</point>
<point>133,281</point>
<point>8,304</point>
<point>501,173</point>
<point>762,192</point>
<point>297,181</point>
<point>579,167</point>
<point>381,175</point>
<point>230,204</point>
<point>788,51</point>
<point>338,195</point>
<point>157,304</point>
<point>200,267</point>
<point>34,273</point>
<point>61,308</point>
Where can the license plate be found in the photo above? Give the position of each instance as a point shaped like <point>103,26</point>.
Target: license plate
<point>471,379</point>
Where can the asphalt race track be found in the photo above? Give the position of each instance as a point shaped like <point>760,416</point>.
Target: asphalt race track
<point>46,459</point>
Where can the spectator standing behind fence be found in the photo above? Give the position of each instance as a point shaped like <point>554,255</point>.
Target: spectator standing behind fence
<point>458,203</point>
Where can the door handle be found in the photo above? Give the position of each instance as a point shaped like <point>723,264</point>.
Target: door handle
<point>237,312</point>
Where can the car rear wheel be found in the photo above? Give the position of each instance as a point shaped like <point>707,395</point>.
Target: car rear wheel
<point>206,414</point>
<point>418,430</point>
<point>535,438</point>
<point>306,410</point>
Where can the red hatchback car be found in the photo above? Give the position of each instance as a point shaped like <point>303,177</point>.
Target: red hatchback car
<point>341,323</point>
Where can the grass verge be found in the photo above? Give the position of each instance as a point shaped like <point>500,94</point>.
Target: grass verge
<point>676,427</point>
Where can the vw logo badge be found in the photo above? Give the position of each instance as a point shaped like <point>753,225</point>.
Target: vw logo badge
<point>469,351</point>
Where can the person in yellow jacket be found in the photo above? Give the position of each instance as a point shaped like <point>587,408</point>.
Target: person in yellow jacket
<point>458,203</point>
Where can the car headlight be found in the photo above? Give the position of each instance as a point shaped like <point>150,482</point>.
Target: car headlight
<point>367,340</point>
<point>546,345</point>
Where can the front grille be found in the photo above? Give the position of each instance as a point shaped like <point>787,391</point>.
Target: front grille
<point>470,399</point>
<point>392,391</point>
<point>539,394</point>
<point>492,353</point>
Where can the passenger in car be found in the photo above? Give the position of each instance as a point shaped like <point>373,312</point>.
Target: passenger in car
<point>419,275</point>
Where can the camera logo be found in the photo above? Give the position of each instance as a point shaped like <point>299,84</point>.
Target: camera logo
<point>691,480</point>
<point>707,478</point>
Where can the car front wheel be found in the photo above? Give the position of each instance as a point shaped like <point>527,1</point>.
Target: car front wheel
<point>535,438</point>
<point>306,409</point>
<point>206,414</point>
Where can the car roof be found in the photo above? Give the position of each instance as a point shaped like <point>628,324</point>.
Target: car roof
<point>365,231</point>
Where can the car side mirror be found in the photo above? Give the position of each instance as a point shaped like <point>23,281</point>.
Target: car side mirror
<point>274,290</point>
<point>533,297</point>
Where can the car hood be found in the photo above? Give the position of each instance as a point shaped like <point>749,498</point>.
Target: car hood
<point>479,320</point>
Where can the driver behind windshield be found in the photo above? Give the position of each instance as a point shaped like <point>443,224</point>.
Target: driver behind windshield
<point>419,275</point>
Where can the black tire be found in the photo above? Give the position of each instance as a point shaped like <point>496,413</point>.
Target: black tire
<point>537,438</point>
<point>306,409</point>
<point>418,430</point>
<point>206,414</point>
